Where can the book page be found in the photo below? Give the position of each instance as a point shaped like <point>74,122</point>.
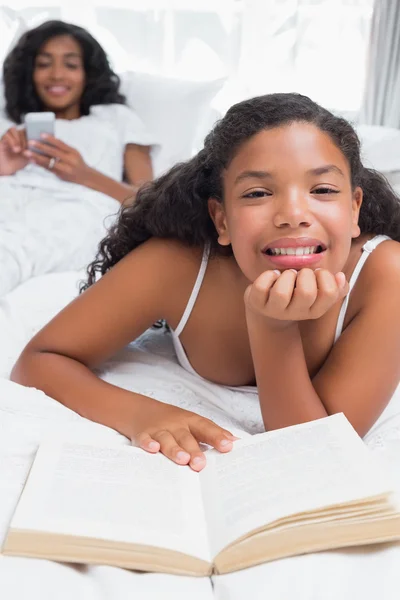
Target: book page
<point>118,493</point>
<point>283,472</point>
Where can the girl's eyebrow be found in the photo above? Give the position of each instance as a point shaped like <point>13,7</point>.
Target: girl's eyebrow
<point>326,169</point>
<point>322,170</point>
<point>252,175</point>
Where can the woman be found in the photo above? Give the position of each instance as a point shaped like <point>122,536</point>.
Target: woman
<point>54,202</point>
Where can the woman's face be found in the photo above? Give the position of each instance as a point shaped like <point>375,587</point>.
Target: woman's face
<point>59,76</point>
<point>288,202</point>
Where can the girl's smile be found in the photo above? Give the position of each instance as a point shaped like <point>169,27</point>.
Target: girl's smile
<point>295,252</point>
<point>288,202</point>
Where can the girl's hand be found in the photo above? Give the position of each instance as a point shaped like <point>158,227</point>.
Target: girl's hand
<point>66,162</point>
<point>12,146</point>
<point>177,433</point>
<point>295,295</point>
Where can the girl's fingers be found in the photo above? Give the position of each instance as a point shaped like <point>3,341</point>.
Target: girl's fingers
<point>329,291</point>
<point>342,283</point>
<point>257,294</point>
<point>208,432</point>
<point>146,442</point>
<point>170,447</point>
<point>305,292</point>
<point>280,295</point>
<point>189,443</point>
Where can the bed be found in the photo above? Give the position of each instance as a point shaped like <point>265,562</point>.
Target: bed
<point>26,415</point>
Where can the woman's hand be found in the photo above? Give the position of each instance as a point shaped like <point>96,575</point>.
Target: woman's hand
<point>295,296</point>
<point>177,433</point>
<point>12,146</point>
<point>66,162</point>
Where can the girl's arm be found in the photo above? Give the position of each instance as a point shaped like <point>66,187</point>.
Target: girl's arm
<point>362,370</point>
<point>152,282</point>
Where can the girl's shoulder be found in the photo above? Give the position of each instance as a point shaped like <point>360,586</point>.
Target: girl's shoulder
<point>151,282</point>
<point>384,260</point>
<point>380,277</point>
<point>166,265</point>
<point>170,251</point>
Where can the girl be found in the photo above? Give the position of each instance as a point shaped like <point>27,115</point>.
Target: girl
<point>269,256</point>
<point>61,68</point>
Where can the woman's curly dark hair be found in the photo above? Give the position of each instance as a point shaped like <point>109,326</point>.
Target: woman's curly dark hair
<point>101,86</point>
<point>176,204</point>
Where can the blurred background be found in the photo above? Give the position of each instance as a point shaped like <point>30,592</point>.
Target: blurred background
<point>183,63</point>
<point>317,47</point>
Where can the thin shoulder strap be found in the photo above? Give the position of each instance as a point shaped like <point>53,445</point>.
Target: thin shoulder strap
<point>367,249</point>
<point>195,291</point>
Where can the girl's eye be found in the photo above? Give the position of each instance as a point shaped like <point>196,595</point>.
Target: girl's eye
<point>71,66</point>
<point>257,194</point>
<point>325,190</point>
<point>42,65</point>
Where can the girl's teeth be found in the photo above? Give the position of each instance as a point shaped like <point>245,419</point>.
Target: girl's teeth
<point>301,251</point>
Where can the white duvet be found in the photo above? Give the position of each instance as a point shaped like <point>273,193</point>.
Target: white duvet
<point>49,230</point>
<point>27,414</point>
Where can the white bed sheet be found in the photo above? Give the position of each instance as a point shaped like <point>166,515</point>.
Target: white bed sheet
<point>50,226</point>
<point>27,414</point>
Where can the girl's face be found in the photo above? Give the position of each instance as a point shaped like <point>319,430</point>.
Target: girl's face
<point>288,202</point>
<point>59,76</point>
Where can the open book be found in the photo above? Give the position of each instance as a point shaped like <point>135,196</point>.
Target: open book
<point>300,489</point>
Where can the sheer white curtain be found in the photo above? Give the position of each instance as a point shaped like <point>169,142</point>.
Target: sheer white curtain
<point>317,47</point>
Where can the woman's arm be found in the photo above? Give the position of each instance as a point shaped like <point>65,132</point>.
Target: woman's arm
<point>70,166</point>
<point>362,370</point>
<point>138,170</point>
<point>137,162</point>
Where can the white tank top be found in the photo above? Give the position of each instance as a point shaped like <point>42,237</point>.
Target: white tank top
<point>179,349</point>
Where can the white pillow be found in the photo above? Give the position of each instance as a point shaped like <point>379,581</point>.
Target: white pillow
<point>177,112</point>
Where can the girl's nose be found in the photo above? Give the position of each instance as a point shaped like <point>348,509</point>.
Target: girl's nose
<point>292,211</point>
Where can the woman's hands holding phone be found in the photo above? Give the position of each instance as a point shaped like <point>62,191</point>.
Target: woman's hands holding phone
<point>66,162</point>
<point>12,147</point>
<point>16,152</point>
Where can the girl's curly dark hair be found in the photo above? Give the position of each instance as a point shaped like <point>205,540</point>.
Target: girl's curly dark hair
<point>175,205</point>
<point>101,86</point>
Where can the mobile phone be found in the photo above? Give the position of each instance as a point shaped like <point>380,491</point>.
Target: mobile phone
<point>37,123</point>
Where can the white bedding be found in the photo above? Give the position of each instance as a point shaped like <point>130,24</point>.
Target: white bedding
<point>44,231</point>
<point>27,414</point>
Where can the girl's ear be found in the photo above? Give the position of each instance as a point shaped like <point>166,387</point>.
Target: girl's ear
<point>355,209</point>
<point>217,213</point>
